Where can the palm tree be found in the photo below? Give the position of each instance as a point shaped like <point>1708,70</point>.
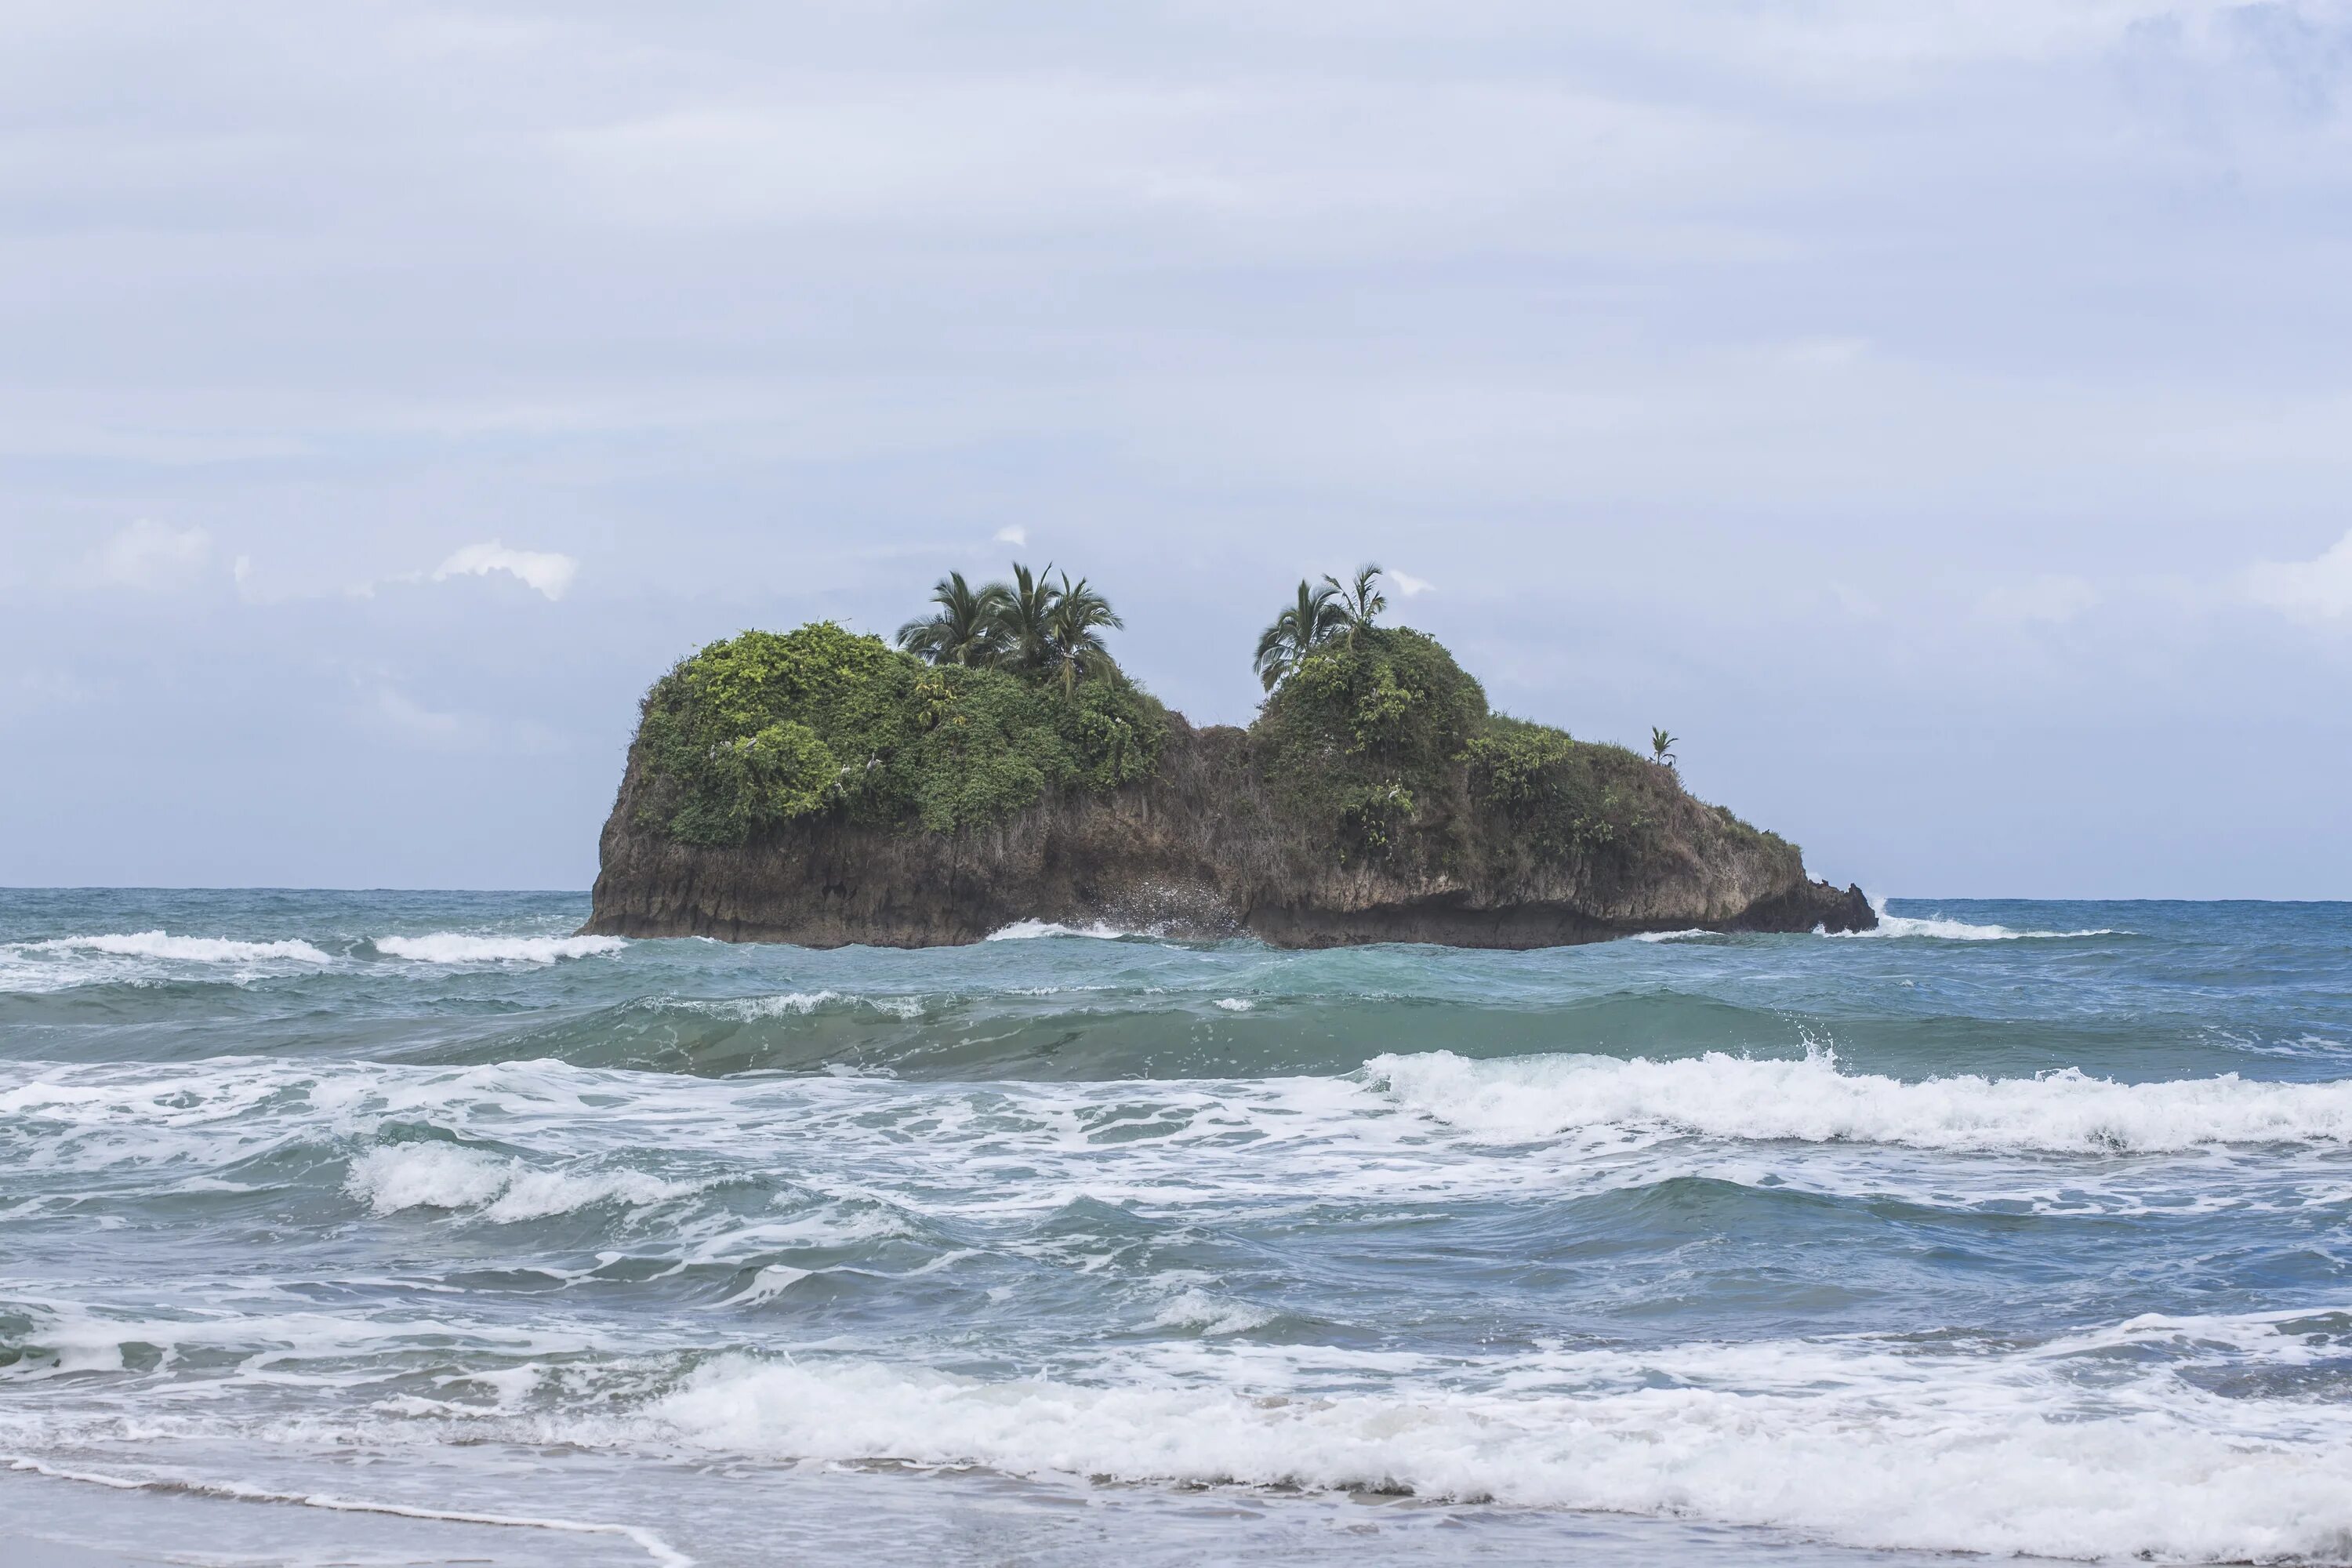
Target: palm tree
<point>964,630</point>
<point>1358,602</point>
<point>1074,628</point>
<point>1023,621</point>
<point>1296,632</point>
<point>1661,746</point>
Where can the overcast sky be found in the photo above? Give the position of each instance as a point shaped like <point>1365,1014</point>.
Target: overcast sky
<point>1939,415</point>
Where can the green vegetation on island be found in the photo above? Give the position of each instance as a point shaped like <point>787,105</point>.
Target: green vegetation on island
<point>999,707</point>
<point>1376,741</point>
<point>1373,743</point>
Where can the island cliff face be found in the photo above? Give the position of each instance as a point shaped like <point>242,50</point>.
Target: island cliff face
<point>1208,844</point>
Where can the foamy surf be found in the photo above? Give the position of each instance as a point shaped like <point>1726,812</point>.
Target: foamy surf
<point>497,1191</point>
<point>67,962</point>
<point>1866,1444</point>
<point>1942,929</point>
<point>802,1003</point>
<point>457,947</point>
<point>183,949</point>
<point>1026,930</point>
<point>1810,1101</point>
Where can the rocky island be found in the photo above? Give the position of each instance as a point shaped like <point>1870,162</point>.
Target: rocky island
<point>824,788</point>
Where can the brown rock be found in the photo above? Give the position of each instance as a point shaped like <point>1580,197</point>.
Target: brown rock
<point>1200,850</point>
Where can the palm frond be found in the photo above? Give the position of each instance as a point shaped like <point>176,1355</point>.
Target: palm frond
<point>963,630</point>
<point>1355,603</point>
<point>1024,619</point>
<point>1296,632</point>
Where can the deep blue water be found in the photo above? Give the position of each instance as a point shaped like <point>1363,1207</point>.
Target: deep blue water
<point>2015,1228</point>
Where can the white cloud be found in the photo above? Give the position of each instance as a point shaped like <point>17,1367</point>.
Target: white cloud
<point>1011,535</point>
<point>148,556</point>
<point>1407,585</point>
<point>2317,589</point>
<point>545,571</point>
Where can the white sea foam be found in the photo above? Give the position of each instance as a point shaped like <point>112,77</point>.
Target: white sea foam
<point>2103,1444</point>
<point>1236,1004</point>
<point>184,949</point>
<point>62,964</point>
<point>1410,1129</point>
<point>1734,1096</point>
<point>1020,931</point>
<point>1694,934</point>
<point>455,947</point>
<point>1944,929</point>
<point>1854,1442</point>
<point>801,1004</point>
<point>1211,1315</point>
<point>448,1176</point>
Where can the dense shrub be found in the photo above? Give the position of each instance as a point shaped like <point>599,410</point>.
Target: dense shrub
<point>768,727</point>
<point>1384,749</point>
<point>1364,740</point>
<point>1559,796</point>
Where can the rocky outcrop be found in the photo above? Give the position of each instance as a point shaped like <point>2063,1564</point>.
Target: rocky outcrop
<point>1199,848</point>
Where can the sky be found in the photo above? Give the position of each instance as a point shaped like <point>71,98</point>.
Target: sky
<point>1939,415</point>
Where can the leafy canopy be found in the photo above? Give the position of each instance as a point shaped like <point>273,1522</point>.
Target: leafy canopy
<point>766,728</point>
<point>1384,749</point>
<point>1366,737</point>
<point>1372,739</point>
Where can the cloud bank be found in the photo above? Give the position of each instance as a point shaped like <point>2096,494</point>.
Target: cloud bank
<point>1940,415</point>
<point>2317,589</point>
<point>545,572</point>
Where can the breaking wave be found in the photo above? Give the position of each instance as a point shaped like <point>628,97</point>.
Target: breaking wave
<point>180,949</point>
<point>435,1175</point>
<point>1859,1442</point>
<point>455,947</point>
<point>1946,930</point>
<point>1810,1101</point>
<point>1022,931</point>
<point>148,958</point>
<point>802,1003</point>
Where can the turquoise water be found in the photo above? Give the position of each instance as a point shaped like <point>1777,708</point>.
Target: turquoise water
<point>2014,1228</point>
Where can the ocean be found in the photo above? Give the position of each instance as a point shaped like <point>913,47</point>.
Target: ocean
<point>408,1227</point>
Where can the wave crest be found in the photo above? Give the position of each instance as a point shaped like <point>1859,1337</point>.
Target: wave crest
<point>1849,1442</point>
<point>449,1176</point>
<point>1023,930</point>
<point>457,947</point>
<point>180,949</point>
<point>1942,929</point>
<point>149,958</point>
<point>1809,1100</point>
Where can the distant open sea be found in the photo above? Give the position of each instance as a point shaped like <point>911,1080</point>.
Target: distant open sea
<point>408,1227</point>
